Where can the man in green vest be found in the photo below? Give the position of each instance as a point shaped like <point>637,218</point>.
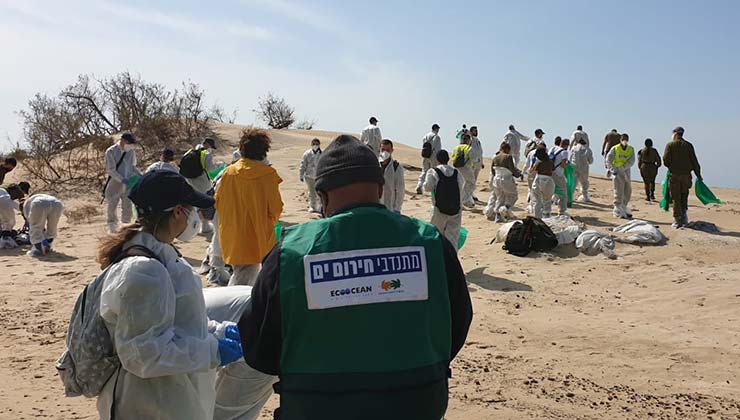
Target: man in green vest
<point>619,161</point>
<point>359,313</point>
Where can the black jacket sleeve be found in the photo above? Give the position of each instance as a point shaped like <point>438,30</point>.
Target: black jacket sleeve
<point>460,306</point>
<point>260,325</point>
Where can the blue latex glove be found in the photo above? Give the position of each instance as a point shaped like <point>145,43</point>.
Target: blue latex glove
<point>232,332</point>
<point>124,181</point>
<point>229,351</point>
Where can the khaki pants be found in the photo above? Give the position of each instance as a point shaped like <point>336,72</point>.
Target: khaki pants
<point>543,188</point>
<point>648,174</point>
<point>680,186</point>
<point>448,225</point>
<point>244,275</point>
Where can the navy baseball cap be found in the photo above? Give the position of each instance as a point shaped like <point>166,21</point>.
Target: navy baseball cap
<point>162,190</point>
<point>211,142</point>
<point>129,137</point>
<point>168,153</point>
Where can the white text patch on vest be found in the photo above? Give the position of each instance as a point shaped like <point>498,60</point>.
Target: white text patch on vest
<point>365,276</point>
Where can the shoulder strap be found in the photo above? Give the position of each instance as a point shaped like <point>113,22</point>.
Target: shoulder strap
<point>395,165</point>
<point>120,160</point>
<point>136,251</point>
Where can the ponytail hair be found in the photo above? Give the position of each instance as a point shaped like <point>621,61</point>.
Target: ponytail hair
<point>111,246</point>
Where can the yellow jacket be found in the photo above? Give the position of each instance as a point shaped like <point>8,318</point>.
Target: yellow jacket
<point>249,205</point>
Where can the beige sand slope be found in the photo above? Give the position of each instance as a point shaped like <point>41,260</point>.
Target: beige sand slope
<point>653,334</point>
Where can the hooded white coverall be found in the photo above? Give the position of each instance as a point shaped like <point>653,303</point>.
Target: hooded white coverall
<point>156,315</point>
<point>371,137</point>
<point>116,191</point>
<point>449,225</point>
<point>8,207</point>
<point>43,213</point>
<point>578,135</point>
<point>430,162</point>
<point>528,162</point>
<point>621,177</point>
<point>558,175</point>
<point>162,166</point>
<point>307,174</point>
<point>476,156</point>
<point>505,186</point>
<point>394,188</point>
<point>241,391</point>
<point>581,157</point>
<point>515,139</point>
<point>543,188</point>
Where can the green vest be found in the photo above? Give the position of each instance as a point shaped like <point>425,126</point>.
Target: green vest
<point>621,156</point>
<point>462,150</point>
<point>365,309</point>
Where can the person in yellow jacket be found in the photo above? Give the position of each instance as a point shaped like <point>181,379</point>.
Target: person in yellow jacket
<point>249,205</point>
<point>461,159</point>
<point>619,161</point>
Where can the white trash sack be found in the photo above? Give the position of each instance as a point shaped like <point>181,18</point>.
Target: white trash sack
<point>592,243</point>
<point>565,228</point>
<point>639,232</point>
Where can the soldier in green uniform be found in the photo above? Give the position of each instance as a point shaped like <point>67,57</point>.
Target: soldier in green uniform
<point>359,313</point>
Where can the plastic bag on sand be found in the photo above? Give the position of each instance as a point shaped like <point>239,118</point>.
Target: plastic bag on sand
<point>639,232</point>
<point>665,203</point>
<point>570,182</point>
<point>7,243</point>
<point>568,235</point>
<point>503,232</point>
<point>592,243</point>
<point>563,223</point>
<point>462,238</point>
<point>704,194</point>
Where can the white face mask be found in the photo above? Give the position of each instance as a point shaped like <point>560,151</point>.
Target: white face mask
<point>192,228</point>
<point>624,144</point>
<point>315,147</point>
<point>128,147</point>
<point>384,155</point>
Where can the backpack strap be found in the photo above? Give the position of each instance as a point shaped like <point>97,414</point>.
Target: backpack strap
<point>136,251</point>
<point>395,165</point>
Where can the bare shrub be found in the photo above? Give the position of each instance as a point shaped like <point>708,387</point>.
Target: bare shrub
<point>305,125</point>
<point>66,135</point>
<point>275,111</point>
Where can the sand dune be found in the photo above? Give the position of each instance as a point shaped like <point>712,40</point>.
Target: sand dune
<point>653,334</point>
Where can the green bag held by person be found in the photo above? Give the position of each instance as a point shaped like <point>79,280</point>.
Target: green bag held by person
<point>216,172</point>
<point>463,237</point>
<point>570,181</point>
<point>704,194</point>
<point>665,203</point>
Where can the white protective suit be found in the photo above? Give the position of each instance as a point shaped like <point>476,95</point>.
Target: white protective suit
<point>157,318</point>
<point>8,207</point>
<point>162,166</point>
<point>307,174</point>
<point>506,193</point>
<point>430,162</point>
<point>394,188</point>
<point>578,135</point>
<point>528,162</point>
<point>515,139</point>
<point>371,137</point>
<point>241,391</point>
<point>43,213</point>
<point>581,157</point>
<point>622,179</point>
<point>202,183</point>
<point>448,225</point>
<point>116,191</point>
<point>543,187</point>
<point>476,157</point>
<point>558,176</point>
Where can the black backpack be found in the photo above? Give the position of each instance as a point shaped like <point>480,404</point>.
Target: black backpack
<point>190,166</point>
<point>426,150</point>
<point>458,159</point>
<point>447,194</point>
<point>530,235</point>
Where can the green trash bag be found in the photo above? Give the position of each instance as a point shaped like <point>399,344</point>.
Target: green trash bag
<point>463,237</point>
<point>665,203</point>
<point>216,172</point>
<point>133,181</point>
<point>278,231</point>
<point>570,181</point>
<point>704,194</point>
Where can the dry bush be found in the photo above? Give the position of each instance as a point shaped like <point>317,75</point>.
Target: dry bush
<point>305,125</point>
<point>82,214</point>
<point>66,135</point>
<point>275,111</point>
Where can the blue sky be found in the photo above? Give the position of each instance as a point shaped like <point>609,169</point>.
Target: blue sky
<point>642,67</point>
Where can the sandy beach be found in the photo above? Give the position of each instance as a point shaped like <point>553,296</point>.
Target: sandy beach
<point>654,334</point>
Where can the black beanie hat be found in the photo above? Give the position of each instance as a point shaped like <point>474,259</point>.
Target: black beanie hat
<point>347,161</point>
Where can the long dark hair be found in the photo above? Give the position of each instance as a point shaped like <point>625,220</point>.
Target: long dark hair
<point>111,246</point>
